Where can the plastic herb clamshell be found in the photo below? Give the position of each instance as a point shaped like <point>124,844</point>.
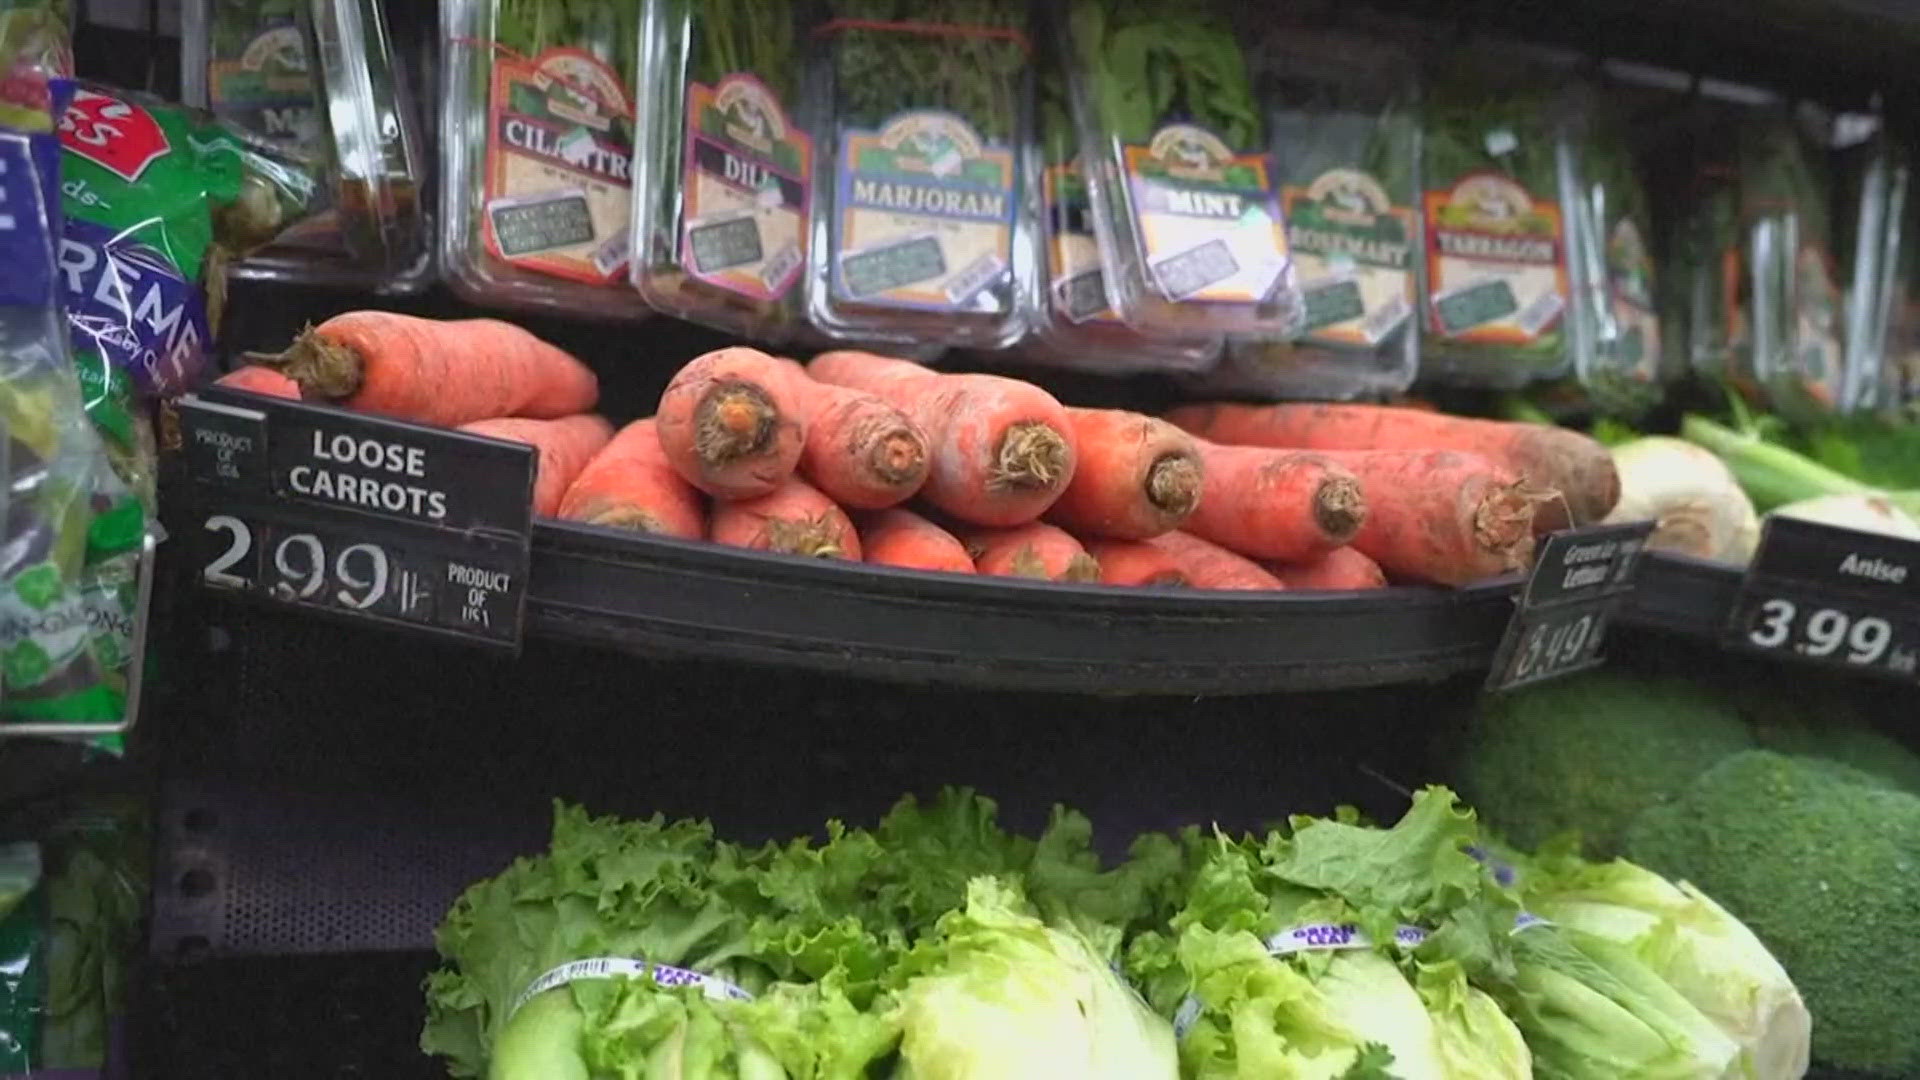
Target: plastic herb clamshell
<point>1072,324</point>
<point>923,111</point>
<point>1346,144</point>
<point>1176,151</point>
<point>1505,299</point>
<point>536,154</point>
<point>723,169</point>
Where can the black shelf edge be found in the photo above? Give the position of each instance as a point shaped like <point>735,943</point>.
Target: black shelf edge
<point>1682,595</point>
<point>653,595</point>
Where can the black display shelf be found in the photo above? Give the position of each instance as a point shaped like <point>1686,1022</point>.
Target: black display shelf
<point>658,596</point>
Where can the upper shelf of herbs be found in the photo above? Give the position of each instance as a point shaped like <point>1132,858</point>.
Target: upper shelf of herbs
<point>1322,203</point>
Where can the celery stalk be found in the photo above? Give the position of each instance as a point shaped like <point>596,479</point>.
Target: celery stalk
<point>1774,476</point>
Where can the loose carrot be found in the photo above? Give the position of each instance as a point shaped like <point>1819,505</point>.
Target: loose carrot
<point>1003,450</point>
<point>1136,477</point>
<point>793,519</point>
<point>731,422</point>
<point>1135,562</point>
<point>1573,471</point>
<point>1034,550</point>
<point>437,371</point>
<point>630,484</point>
<point>1342,570</point>
<point>1275,504</point>
<point>565,446</point>
<point>1441,515</point>
<point>899,537</point>
<point>1209,566</point>
<point>860,450</point>
<point>258,379</point>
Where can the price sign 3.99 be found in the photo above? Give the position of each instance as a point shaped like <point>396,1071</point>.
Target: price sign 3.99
<point>1830,596</point>
<point>1578,582</point>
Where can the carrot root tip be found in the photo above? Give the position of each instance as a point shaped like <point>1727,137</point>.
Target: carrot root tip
<point>898,457</point>
<point>734,419</point>
<point>815,537</point>
<point>1082,568</point>
<point>323,368</point>
<point>1032,455</point>
<point>1174,483</point>
<point>1027,563</point>
<point>1338,507</point>
<point>1504,523</point>
<point>630,518</point>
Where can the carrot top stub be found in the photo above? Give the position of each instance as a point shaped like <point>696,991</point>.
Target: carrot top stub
<point>734,419</point>
<point>1032,456</point>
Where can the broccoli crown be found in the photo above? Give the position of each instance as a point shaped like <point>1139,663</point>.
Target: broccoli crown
<point>1587,754</point>
<point>1848,738</point>
<point>1827,872</point>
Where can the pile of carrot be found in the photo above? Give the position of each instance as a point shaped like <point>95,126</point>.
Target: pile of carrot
<point>863,457</point>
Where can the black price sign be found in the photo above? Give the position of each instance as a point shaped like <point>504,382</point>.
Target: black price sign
<point>1475,305</point>
<point>1834,597</point>
<point>524,227</point>
<point>361,517</point>
<point>1578,582</point>
<point>723,245</point>
<point>876,270</point>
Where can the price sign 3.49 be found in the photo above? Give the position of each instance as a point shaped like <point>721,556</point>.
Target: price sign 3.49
<point>1578,582</point>
<point>1833,597</point>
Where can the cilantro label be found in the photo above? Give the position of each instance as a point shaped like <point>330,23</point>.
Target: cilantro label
<point>1817,365</point>
<point>1496,269</point>
<point>559,151</point>
<point>1354,250</point>
<point>1208,220</point>
<point>924,218</point>
<point>1636,325</point>
<point>747,190</point>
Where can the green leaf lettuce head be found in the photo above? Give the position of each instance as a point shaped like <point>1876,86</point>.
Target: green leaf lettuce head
<point>1706,954</point>
<point>995,992</point>
<point>648,890</point>
<point>1472,1036</point>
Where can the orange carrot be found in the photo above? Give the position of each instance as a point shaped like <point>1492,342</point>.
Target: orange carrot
<point>565,445</point>
<point>260,380</point>
<point>1135,562</point>
<point>1275,504</point>
<point>1136,477</point>
<point>629,484</point>
<point>1034,550</point>
<point>1209,566</point>
<point>1574,472</point>
<point>1341,570</point>
<point>1003,450</point>
<point>860,450</point>
<point>793,519</point>
<point>899,537</point>
<point>437,371</point>
<point>1441,515</point>
<point>731,422</point>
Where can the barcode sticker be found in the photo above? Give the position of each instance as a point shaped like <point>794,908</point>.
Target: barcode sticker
<point>1542,310</point>
<point>608,967</point>
<point>1194,269</point>
<point>776,268</point>
<point>1082,296</point>
<point>1378,324</point>
<point>611,255</point>
<point>977,275</point>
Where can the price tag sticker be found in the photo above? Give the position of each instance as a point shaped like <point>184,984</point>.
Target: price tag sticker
<point>361,517</point>
<point>1834,597</point>
<point>1578,583</point>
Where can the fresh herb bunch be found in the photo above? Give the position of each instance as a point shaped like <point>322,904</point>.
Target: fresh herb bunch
<point>235,23</point>
<point>1459,121</point>
<point>750,36</point>
<point>1155,62</point>
<point>609,29</point>
<point>880,73</point>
